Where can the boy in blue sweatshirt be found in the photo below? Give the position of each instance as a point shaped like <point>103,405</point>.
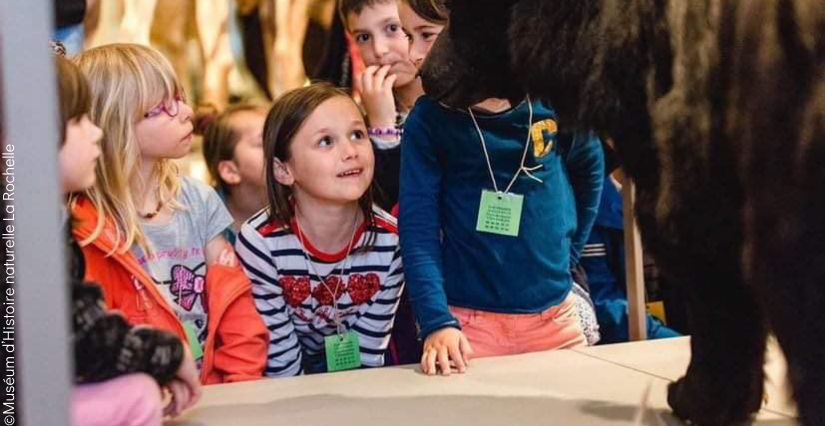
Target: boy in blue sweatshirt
<point>496,203</point>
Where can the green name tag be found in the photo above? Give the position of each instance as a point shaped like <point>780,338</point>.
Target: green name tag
<point>343,351</point>
<point>499,213</point>
<point>192,338</point>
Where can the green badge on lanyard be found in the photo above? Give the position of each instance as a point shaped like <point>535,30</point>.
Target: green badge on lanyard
<point>192,337</point>
<point>499,213</point>
<point>343,351</point>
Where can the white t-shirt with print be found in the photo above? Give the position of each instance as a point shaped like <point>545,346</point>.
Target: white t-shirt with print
<point>178,260</point>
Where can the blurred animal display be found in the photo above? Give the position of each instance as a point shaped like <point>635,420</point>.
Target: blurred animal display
<point>169,25</point>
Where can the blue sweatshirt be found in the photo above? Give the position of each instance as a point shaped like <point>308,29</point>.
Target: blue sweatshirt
<point>443,171</point>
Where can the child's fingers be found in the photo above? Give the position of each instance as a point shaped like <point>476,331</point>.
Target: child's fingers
<point>381,75</point>
<point>169,409</point>
<point>227,256</point>
<point>183,401</point>
<point>174,387</point>
<point>389,82</point>
<point>457,358</point>
<point>444,361</point>
<point>197,392</point>
<point>433,362</point>
<point>182,397</point>
<point>367,78</point>
<point>465,348</point>
<point>428,361</point>
<point>191,398</point>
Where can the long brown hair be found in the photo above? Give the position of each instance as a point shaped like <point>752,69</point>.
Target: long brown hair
<point>284,120</point>
<point>75,99</point>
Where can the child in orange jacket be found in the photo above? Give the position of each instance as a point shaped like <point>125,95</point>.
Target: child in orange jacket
<point>119,369</point>
<point>152,238</point>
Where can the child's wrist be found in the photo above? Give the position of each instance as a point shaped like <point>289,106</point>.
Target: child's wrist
<point>382,118</point>
<point>382,122</point>
<point>427,332</point>
<point>385,132</point>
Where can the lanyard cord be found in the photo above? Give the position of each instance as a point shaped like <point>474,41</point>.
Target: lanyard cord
<point>338,326</point>
<point>521,168</point>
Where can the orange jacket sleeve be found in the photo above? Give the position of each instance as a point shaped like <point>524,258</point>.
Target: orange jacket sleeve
<point>242,338</point>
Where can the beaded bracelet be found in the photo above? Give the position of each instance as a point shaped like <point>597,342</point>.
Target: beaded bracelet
<point>390,131</point>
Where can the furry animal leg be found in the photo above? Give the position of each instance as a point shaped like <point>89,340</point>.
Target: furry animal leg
<point>724,382</point>
<point>786,252</point>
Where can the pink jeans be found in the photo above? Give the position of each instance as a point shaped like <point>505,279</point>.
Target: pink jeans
<point>493,334</point>
<point>132,400</point>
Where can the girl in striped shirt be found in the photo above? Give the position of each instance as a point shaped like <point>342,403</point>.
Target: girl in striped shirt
<point>324,261</point>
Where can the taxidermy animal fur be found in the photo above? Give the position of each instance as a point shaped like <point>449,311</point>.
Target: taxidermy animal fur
<point>717,111</point>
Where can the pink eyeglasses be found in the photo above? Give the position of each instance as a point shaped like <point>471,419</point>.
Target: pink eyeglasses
<point>170,106</point>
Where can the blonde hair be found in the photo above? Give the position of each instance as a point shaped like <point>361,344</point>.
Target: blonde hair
<point>126,80</point>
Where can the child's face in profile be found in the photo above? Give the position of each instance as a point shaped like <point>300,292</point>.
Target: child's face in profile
<point>249,154</point>
<point>331,159</point>
<point>78,155</point>
<point>421,33</point>
<point>165,131</point>
<point>381,41</point>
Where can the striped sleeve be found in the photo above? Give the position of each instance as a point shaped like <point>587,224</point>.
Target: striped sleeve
<point>284,353</point>
<point>596,249</point>
<point>374,326</point>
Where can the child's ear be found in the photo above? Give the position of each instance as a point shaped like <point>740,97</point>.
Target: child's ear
<point>229,172</point>
<point>282,173</point>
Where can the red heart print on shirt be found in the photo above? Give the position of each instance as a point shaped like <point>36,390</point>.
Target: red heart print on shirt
<point>296,290</point>
<point>363,287</point>
<point>323,293</point>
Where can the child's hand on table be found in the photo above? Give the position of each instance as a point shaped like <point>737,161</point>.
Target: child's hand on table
<point>444,350</point>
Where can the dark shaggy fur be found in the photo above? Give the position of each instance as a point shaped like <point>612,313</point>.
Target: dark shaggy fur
<point>717,109</point>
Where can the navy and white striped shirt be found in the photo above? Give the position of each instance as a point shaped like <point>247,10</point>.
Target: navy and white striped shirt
<point>298,309</point>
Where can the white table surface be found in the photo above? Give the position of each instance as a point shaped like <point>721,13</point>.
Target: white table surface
<point>602,385</point>
<point>669,358</point>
